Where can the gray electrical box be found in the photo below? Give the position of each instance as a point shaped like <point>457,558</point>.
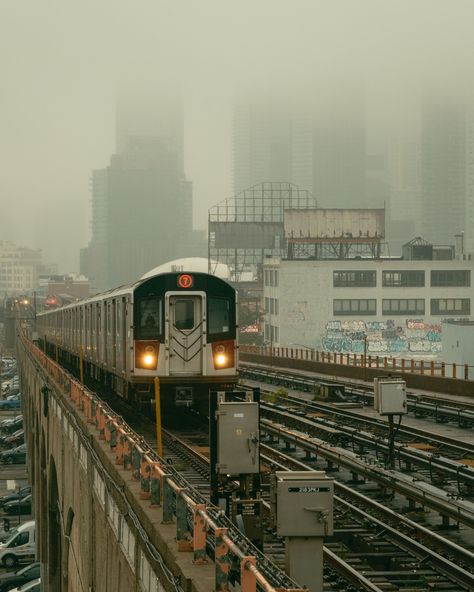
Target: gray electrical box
<point>238,449</point>
<point>304,501</point>
<point>390,396</point>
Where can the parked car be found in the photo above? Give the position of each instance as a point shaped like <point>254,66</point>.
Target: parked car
<point>20,546</point>
<point>33,586</point>
<point>8,426</point>
<point>14,495</point>
<point>11,403</point>
<point>19,506</point>
<point>20,577</point>
<point>14,455</point>
<point>15,439</point>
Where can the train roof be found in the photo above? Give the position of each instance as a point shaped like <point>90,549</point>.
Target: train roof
<point>129,288</point>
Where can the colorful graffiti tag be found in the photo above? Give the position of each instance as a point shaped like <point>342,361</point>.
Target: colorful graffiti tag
<point>383,337</point>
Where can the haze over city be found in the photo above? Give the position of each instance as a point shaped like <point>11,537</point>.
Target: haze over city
<point>64,68</point>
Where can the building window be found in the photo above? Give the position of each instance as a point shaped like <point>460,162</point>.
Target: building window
<point>403,306</point>
<point>267,304</point>
<point>404,279</point>
<point>354,279</point>
<point>99,487</point>
<point>451,277</point>
<point>273,306</point>
<point>113,514</point>
<point>355,307</point>
<point>450,306</point>
<point>128,544</point>
<point>274,333</point>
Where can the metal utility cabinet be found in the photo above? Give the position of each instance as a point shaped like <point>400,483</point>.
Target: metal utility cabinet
<point>237,435</point>
<point>304,515</point>
<point>390,396</point>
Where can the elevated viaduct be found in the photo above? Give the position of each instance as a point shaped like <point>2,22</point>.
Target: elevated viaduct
<point>112,516</point>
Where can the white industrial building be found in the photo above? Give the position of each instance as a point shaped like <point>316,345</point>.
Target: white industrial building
<point>458,342</point>
<point>390,306</point>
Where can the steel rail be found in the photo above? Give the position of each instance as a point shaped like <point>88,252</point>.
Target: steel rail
<point>452,570</point>
<point>434,462</point>
<point>463,448</point>
<point>424,493</point>
<point>435,406</point>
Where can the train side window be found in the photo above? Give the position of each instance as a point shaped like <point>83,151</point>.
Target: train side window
<point>184,314</point>
<point>218,319</point>
<point>150,321</point>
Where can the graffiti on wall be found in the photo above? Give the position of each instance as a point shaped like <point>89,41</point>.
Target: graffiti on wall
<point>383,337</point>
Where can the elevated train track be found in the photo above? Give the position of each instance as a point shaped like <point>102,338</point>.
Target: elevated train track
<point>440,409</point>
<point>376,558</point>
<point>410,552</point>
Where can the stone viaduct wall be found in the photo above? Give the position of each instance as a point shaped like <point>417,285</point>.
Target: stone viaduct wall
<point>94,533</point>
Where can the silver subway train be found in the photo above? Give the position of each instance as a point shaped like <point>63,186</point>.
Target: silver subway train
<point>180,327</point>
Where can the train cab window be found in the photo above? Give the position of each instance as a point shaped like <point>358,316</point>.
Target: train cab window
<point>184,314</point>
<point>150,319</point>
<point>218,320</point>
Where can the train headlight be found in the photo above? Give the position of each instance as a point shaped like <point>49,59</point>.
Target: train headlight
<point>223,355</point>
<point>146,355</point>
<point>221,359</point>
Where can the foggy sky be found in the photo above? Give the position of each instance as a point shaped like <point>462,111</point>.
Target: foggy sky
<point>62,65</point>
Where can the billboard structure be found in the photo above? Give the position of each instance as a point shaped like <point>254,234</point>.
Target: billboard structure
<point>248,227</point>
<point>334,233</point>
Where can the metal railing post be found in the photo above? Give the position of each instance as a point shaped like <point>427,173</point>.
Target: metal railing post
<point>167,501</point>
<point>184,544</point>
<point>248,581</point>
<point>199,535</point>
<point>222,560</point>
<point>155,485</point>
<point>145,474</point>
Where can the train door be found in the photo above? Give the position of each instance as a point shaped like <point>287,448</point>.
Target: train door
<point>185,334</point>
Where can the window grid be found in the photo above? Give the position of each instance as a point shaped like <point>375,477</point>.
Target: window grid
<point>354,279</point>
<point>403,306</point>
<point>450,306</point>
<point>450,277</point>
<point>346,306</point>
<point>404,279</point>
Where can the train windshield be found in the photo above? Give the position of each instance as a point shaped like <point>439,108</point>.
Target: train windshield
<point>150,319</point>
<point>218,320</point>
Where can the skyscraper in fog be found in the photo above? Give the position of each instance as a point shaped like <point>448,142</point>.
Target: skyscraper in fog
<point>152,114</point>
<point>444,154</point>
<point>339,152</point>
<point>262,142</point>
<point>316,143</point>
<point>141,202</point>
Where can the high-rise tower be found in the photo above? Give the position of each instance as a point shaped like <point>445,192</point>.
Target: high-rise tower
<point>444,154</point>
<point>141,202</point>
<point>317,143</point>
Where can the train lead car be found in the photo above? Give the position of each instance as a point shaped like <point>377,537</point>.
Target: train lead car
<point>178,326</point>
